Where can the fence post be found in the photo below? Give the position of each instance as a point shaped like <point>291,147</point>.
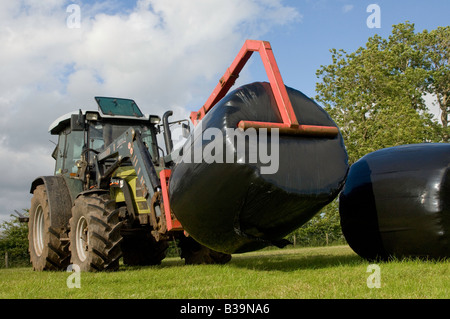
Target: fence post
<point>6,259</point>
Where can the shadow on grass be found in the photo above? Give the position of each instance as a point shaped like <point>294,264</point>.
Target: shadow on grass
<point>293,262</point>
<point>274,260</point>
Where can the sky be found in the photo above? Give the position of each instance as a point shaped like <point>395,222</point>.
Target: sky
<point>56,55</point>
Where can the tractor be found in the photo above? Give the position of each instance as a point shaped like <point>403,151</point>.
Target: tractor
<point>104,200</point>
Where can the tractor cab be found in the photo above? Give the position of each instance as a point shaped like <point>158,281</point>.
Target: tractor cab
<point>87,133</point>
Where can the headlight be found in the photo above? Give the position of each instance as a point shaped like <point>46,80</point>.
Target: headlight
<point>91,116</point>
<point>154,119</point>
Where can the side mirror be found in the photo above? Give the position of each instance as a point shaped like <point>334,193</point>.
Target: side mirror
<point>185,130</point>
<point>77,122</point>
<point>55,153</point>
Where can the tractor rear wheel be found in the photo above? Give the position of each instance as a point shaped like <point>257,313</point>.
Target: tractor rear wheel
<point>195,253</point>
<point>95,233</point>
<point>47,250</point>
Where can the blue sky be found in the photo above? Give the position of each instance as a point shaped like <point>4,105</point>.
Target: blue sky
<point>301,47</point>
<point>165,54</point>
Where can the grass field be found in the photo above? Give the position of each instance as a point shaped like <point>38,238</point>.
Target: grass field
<point>323,272</point>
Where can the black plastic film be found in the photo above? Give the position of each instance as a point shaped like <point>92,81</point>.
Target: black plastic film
<point>396,203</point>
<point>243,196</point>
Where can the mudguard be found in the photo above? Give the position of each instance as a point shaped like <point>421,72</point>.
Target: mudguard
<point>61,192</point>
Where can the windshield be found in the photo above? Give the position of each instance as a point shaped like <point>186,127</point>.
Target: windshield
<point>103,134</point>
<point>116,106</point>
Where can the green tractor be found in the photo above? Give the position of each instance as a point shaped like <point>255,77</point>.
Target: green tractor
<point>106,198</point>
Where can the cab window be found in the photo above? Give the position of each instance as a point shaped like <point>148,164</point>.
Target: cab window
<point>68,151</point>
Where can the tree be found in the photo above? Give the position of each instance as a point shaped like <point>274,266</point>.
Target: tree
<point>323,229</point>
<point>435,46</point>
<point>14,240</point>
<point>376,94</point>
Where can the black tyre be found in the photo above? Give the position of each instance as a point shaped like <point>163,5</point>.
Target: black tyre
<point>140,248</point>
<point>95,233</point>
<point>195,253</point>
<point>47,250</point>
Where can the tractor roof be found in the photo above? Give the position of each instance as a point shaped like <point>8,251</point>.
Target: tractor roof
<point>108,108</point>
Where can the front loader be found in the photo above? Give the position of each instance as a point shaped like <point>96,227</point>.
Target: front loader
<point>115,192</point>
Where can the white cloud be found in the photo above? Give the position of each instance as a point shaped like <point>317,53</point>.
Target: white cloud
<point>432,104</point>
<point>347,8</point>
<point>164,54</point>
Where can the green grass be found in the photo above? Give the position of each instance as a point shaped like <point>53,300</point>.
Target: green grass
<point>322,272</point>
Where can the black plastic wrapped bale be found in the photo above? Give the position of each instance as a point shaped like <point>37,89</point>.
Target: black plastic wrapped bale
<point>245,205</point>
<point>396,203</point>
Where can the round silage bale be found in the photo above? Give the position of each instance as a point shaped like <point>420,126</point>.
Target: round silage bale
<point>396,203</point>
<point>243,196</point>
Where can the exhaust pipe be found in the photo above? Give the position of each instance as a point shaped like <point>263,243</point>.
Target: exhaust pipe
<point>167,133</point>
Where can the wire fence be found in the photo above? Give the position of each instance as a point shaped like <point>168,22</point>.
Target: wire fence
<point>10,259</point>
<point>17,258</point>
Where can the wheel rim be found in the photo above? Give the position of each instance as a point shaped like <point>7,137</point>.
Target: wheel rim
<point>82,238</point>
<point>38,230</point>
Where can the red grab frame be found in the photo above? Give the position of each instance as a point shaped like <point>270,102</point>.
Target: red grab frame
<point>172,224</point>
<point>290,123</point>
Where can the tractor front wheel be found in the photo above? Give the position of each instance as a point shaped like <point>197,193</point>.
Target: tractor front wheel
<point>95,233</point>
<point>47,250</point>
